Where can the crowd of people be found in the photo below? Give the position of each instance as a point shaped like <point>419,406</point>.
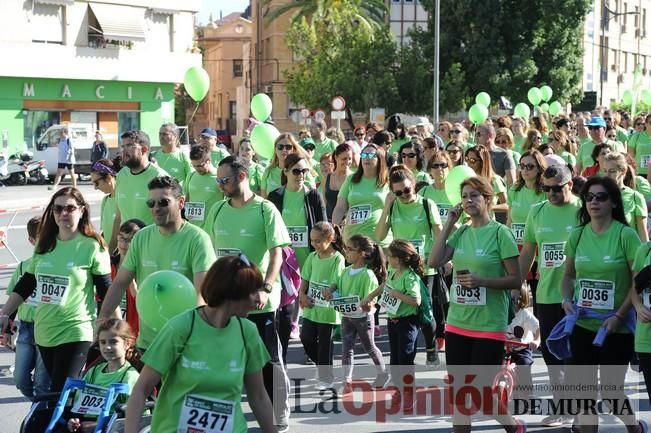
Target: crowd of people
<point>552,225</point>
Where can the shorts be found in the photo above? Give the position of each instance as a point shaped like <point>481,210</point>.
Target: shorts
<point>65,165</point>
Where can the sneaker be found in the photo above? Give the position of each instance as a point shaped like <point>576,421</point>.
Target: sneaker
<point>440,344</point>
<point>347,389</point>
<point>377,330</point>
<point>295,333</point>
<point>282,428</point>
<point>381,380</point>
<point>322,386</point>
<point>575,428</point>
<point>520,426</point>
<point>552,421</point>
<point>432,358</point>
<point>644,427</point>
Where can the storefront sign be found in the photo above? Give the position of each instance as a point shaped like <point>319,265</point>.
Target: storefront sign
<point>67,92</point>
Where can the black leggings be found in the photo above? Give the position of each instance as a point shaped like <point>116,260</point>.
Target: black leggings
<point>645,367</point>
<point>63,361</point>
<point>284,326</point>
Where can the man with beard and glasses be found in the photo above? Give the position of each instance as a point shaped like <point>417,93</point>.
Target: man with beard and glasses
<point>171,243</point>
<point>247,224</point>
<point>131,182</point>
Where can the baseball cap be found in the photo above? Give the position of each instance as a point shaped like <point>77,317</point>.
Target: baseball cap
<point>597,121</point>
<point>209,132</point>
<point>307,141</point>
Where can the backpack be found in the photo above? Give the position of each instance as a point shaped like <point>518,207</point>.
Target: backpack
<point>425,308</point>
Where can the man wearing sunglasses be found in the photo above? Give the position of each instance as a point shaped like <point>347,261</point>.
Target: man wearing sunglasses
<point>503,163</point>
<point>322,143</point>
<point>546,231</point>
<point>170,158</point>
<point>597,130</point>
<point>171,243</point>
<point>614,119</point>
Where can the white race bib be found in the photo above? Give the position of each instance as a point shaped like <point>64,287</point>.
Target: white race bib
<point>194,210</point>
<point>599,294</point>
<point>646,298</point>
<point>225,252</point>
<point>419,245</point>
<point>314,292</point>
<point>518,232</point>
<point>348,306</point>
<point>553,254</point>
<point>388,302</point>
<point>298,235</point>
<point>89,400</point>
<point>644,161</point>
<point>358,214</point>
<point>51,289</point>
<point>468,295</point>
<point>206,415</point>
<point>444,210</point>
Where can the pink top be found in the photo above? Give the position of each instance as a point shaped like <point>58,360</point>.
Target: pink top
<point>491,335</point>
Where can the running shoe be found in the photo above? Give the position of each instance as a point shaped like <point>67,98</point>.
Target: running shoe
<point>381,380</point>
<point>552,421</point>
<point>644,427</point>
<point>282,428</point>
<point>432,358</point>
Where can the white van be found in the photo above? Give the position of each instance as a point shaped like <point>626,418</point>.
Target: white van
<point>82,136</point>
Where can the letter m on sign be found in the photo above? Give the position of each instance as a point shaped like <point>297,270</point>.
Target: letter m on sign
<point>28,89</point>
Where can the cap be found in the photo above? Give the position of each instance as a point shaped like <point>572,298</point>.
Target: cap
<point>422,121</point>
<point>554,160</point>
<point>209,132</point>
<point>597,121</point>
<point>307,140</point>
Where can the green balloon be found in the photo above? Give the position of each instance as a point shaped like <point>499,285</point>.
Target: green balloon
<point>522,110</point>
<point>534,96</point>
<point>453,182</point>
<point>263,137</point>
<point>555,108</point>
<point>163,295</point>
<point>544,107</point>
<point>627,97</point>
<point>645,95</point>
<point>196,82</point>
<point>261,106</point>
<point>483,98</point>
<point>546,93</point>
<point>478,114</point>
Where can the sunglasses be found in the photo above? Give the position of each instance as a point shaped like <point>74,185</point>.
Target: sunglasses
<point>455,131</point>
<point>537,137</point>
<point>594,128</point>
<point>297,171</point>
<point>407,190</point>
<point>600,196</point>
<point>408,155</point>
<point>442,129</point>
<point>554,188</point>
<point>223,180</point>
<point>440,165</point>
<point>367,155</point>
<point>501,141</point>
<point>69,208</point>
<point>455,151</point>
<point>284,147</point>
<point>608,118</point>
<point>639,124</point>
<point>162,202</point>
<point>359,135</point>
<point>527,167</point>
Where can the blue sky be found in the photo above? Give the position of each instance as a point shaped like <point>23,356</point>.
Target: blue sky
<point>225,6</point>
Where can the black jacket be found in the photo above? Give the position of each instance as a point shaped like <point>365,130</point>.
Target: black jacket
<point>315,210</point>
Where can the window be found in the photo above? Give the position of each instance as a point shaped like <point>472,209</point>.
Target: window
<point>36,123</point>
<point>637,17</point>
<point>160,32</point>
<point>47,23</point>
<point>128,121</point>
<point>237,67</point>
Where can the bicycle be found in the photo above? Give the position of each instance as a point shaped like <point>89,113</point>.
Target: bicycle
<point>504,382</point>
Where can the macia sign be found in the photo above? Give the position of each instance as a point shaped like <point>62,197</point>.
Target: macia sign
<point>29,91</point>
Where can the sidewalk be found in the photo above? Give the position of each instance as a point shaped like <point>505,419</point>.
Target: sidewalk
<point>27,197</point>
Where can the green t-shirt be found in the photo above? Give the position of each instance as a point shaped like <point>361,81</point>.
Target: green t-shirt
<point>440,197</point>
<point>188,252</point>
<point>643,329</point>
<point>98,376</point>
<point>643,187</point>
<point>409,222</point>
<point>319,273</point>
<point>584,155</point>
<point>294,217</point>
<point>107,216</point>
<point>517,143</point>
<point>622,135</point>
<point>520,203</point>
<point>603,274</point>
<point>641,143</point>
<point>202,193</point>
<point>252,230</point>
<point>365,204</point>
<point>217,155</point>
<point>480,250</point>
<point>409,284</point>
<point>328,145</point>
<point>356,282</point>
<point>395,144</point>
<point>568,158</point>
<point>634,205</point>
<point>176,163</point>
<point>25,311</point>
<point>255,176</point>
<point>65,294</point>
<point>184,355</point>
<point>422,176</point>
<point>131,193</point>
<point>516,156</point>
<point>549,227</point>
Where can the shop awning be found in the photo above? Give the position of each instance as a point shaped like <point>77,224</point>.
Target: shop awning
<point>122,23</point>
<point>56,2</point>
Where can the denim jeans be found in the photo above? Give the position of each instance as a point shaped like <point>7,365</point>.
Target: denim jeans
<point>28,359</point>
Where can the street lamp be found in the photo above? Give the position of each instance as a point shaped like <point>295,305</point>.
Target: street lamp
<point>607,15</point>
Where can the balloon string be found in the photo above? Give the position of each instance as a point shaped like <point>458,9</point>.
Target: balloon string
<point>190,121</point>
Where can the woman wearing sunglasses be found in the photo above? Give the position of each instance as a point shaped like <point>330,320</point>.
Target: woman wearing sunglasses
<point>406,216</point>
<point>598,275</point>
<point>411,156</point>
<point>455,150</point>
<point>533,140</point>
<point>102,174</point>
<point>284,145</point>
<point>342,159</point>
<point>479,159</point>
<point>69,267</point>
<point>504,139</point>
<point>539,123</point>
<point>560,142</point>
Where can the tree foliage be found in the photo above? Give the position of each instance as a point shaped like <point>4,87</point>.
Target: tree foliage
<point>369,12</point>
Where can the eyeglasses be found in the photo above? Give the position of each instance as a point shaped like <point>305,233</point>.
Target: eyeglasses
<point>611,137</point>
<point>297,171</point>
<point>454,151</point>
<point>441,165</point>
<point>223,180</point>
<point>527,167</point>
<point>284,147</point>
<point>408,155</point>
<point>473,160</point>
<point>554,188</point>
<point>600,196</point>
<point>455,131</point>
<point>608,118</point>
<point>367,155</point>
<point>405,191</point>
<point>161,202</point>
<point>69,208</point>
<point>639,124</point>
<point>594,128</point>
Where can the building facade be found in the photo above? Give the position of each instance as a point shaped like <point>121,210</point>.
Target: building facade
<point>405,15</point>
<point>108,65</point>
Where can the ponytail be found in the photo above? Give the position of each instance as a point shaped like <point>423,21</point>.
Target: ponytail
<point>373,256</point>
<point>415,262</point>
<point>333,232</point>
<point>338,242</point>
<point>407,254</point>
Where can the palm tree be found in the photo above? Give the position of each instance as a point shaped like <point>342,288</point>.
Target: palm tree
<point>370,13</point>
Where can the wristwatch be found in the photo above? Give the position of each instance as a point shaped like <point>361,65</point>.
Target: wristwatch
<point>266,287</point>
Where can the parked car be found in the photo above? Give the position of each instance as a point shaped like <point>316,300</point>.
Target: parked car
<point>82,136</point>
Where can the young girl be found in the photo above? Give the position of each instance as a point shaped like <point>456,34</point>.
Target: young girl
<point>321,269</point>
<point>355,283</point>
<point>524,328</point>
<point>400,298</point>
<point>115,339</point>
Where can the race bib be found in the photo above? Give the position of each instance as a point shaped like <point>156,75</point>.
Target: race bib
<point>644,161</point>
<point>444,210</point>
<point>419,245</point>
<point>206,415</point>
<point>348,306</point>
<point>388,302</point>
<point>358,214</point>
<point>518,232</point>
<point>298,236</point>
<point>597,294</point>
<point>468,295</point>
<point>194,210</point>
<point>314,292</point>
<point>225,252</point>
<point>646,298</point>
<point>553,254</point>
<point>89,400</point>
<point>51,289</point>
